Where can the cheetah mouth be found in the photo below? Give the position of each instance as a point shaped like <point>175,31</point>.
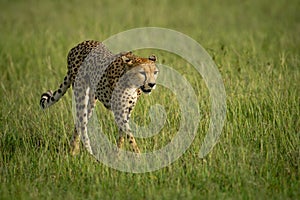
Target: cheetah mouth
<point>146,91</point>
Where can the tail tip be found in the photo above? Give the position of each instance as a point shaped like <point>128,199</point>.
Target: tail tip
<point>45,98</point>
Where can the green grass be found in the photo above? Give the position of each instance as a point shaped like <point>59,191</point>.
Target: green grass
<point>256,46</point>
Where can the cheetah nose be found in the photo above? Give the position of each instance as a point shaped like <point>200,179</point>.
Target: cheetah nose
<point>151,84</point>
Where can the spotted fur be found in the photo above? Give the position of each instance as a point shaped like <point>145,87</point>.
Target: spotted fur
<point>116,80</point>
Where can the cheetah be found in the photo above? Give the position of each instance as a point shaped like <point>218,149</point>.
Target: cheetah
<point>116,80</point>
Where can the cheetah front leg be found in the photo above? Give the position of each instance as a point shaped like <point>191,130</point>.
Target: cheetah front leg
<point>131,140</point>
<point>122,117</point>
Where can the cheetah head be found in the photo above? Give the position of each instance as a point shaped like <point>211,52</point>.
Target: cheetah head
<point>142,72</point>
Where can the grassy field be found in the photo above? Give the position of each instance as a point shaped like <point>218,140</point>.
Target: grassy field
<point>256,46</point>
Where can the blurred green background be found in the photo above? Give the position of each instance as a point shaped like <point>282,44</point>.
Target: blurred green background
<point>256,46</point>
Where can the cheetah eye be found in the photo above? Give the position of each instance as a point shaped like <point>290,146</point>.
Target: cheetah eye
<point>143,73</point>
<point>155,72</point>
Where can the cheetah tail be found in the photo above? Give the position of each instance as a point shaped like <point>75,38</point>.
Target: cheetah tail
<point>48,98</point>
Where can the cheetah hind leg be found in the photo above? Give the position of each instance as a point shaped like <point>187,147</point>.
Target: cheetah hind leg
<point>83,115</point>
<point>75,143</point>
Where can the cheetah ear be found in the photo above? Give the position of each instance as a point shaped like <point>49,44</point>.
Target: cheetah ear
<point>153,58</point>
<point>127,58</point>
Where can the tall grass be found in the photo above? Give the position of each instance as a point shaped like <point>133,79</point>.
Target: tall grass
<point>255,45</point>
